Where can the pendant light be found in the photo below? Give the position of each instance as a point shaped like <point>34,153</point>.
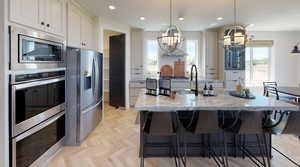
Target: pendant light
<point>172,38</point>
<point>296,49</point>
<point>235,35</point>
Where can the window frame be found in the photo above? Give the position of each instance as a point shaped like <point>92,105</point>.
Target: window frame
<point>251,48</point>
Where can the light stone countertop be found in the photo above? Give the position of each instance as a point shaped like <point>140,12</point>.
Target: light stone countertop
<point>222,102</point>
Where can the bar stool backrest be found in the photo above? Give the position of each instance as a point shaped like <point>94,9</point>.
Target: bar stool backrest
<point>162,124</point>
<point>293,124</point>
<point>208,123</point>
<point>271,88</point>
<point>251,122</point>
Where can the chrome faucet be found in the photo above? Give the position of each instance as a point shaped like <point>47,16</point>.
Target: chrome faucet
<point>194,67</point>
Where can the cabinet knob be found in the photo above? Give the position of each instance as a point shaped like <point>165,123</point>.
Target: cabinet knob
<point>48,25</point>
<point>42,23</point>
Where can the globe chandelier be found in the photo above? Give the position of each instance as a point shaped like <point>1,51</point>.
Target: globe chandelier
<point>172,38</point>
<point>235,35</point>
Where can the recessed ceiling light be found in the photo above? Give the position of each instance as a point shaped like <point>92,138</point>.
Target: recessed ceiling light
<point>220,18</point>
<point>181,18</point>
<point>142,18</point>
<point>111,7</point>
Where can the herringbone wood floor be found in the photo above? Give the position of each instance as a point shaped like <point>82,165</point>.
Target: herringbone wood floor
<point>115,143</point>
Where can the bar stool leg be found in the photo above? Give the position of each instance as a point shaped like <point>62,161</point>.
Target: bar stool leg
<point>225,150</point>
<point>261,150</point>
<point>268,152</point>
<point>142,162</point>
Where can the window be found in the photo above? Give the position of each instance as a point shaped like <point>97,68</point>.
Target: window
<point>192,54</point>
<point>257,66</point>
<point>151,62</point>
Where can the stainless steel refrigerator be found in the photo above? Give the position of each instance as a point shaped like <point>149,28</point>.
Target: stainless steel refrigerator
<point>84,94</point>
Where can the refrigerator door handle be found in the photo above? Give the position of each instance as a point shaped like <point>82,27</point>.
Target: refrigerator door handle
<point>93,77</point>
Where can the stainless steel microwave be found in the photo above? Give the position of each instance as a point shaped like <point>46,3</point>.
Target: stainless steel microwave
<point>35,50</point>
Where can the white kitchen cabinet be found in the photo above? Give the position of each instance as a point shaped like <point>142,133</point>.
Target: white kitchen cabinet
<point>211,55</point>
<point>80,29</point>
<point>87,32</point>
<point>135,87</point>
<point>137,61</point>
<point>74,27</point>
<point>45,15</point>
<point>26,12</point>
<point>233,77</point>
<point>55,16</point>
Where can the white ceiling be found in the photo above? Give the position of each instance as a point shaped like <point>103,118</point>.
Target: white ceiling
<point>267,15</point>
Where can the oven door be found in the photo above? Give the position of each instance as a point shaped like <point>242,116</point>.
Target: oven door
<point>36,146</point>
<point>34,102</point>
<point>35,50</point>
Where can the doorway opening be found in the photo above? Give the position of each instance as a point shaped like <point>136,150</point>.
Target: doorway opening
<point>257,66</point>
<point>114,68</point>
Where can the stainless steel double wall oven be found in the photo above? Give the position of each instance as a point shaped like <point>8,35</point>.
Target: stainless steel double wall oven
<point>37,96</point>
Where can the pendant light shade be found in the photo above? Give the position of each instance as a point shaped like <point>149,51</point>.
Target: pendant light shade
<point>296,49</point>
<point>172,38</point>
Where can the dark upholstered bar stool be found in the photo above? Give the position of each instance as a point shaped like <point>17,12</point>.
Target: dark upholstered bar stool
<point>288,123</point>
<point>252,123</point>
<point>208,124</point>
<point>162,124</point>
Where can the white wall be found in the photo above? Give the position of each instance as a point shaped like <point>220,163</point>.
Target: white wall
<point>107,24</point>
<point>4,150</point>
<point>284,66</point>
<point>188,35</point>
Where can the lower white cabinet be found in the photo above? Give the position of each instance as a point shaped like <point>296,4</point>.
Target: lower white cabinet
<point>135,88</point>
<point>233,77</point>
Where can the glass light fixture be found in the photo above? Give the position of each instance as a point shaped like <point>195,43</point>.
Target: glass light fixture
<point>172,38</point>
<point>235,35</point>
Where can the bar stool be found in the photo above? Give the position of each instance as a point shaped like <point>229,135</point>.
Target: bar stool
<point>288,125</point>
<point>250,123</point>
<point>208,124</point>
<point>162,124</point>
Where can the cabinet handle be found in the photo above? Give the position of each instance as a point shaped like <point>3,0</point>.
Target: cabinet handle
<point>42,23</point>
<point>48,25</point>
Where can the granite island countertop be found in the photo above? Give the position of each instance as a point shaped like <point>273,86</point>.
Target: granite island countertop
<point>222,102</point>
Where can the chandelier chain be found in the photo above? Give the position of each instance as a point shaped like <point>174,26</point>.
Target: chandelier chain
<point>235,13</point>
<point>171,12</point>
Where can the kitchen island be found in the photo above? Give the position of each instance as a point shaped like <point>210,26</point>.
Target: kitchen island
<point>186,103</point>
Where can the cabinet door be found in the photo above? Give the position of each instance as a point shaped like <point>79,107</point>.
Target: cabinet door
<point>74,27</point>
<point>26,12</point>
<point>211,50</point>
<point>55,16</point>
<point>87,33</point>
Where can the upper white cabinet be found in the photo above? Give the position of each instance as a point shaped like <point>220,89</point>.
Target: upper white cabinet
<point>87,32</point>
<point>80,29</point>
<point>74,27</point>
<point>137,44</point>
<point>211,55</point>
<point>26,12</point>
<point>45,15</point>
<point>55,16</point>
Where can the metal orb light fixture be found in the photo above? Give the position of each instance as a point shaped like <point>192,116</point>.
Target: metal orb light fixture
<point>172,38</point>
<point>235,35</point>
